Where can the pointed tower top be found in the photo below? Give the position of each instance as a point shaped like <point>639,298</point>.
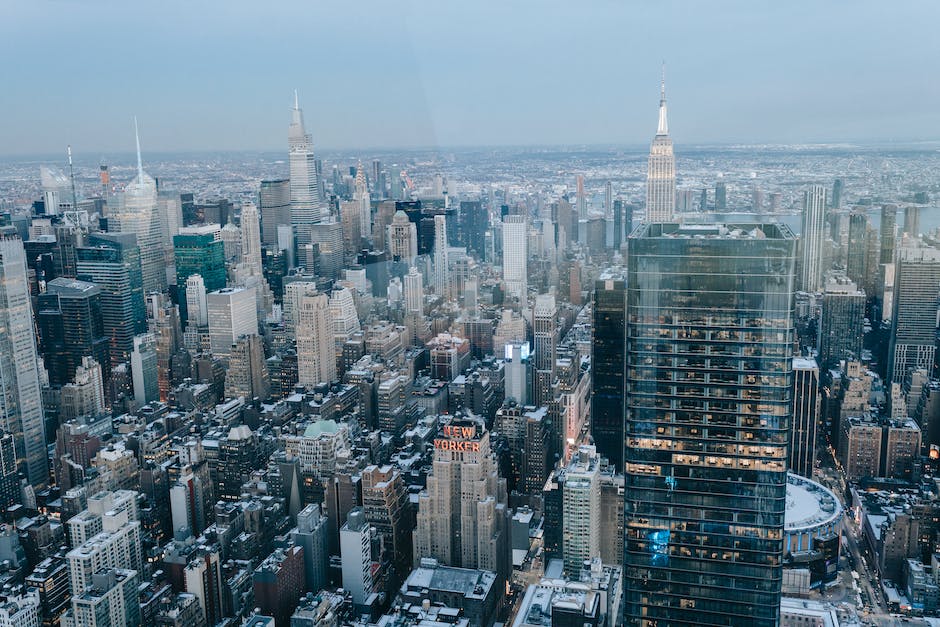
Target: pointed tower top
<point>140,163</point>
<point>663,127</point>
<point>296,101</point>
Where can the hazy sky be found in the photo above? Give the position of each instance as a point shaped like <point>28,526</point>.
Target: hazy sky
<point>219,75</point>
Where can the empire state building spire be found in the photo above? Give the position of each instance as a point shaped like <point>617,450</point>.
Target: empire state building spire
<point>661,174</point>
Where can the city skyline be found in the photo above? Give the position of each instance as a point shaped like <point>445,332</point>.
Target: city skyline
<point>387,87</point>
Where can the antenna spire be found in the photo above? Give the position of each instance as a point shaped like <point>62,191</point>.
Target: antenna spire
<point>140,163</point>
<point>296,101</point>
<point>663,84</point>
<point>72,177</point>
<point>663,127</point>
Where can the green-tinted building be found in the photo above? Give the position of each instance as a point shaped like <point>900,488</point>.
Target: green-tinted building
<point>198,250</point>
<point>709,343</point>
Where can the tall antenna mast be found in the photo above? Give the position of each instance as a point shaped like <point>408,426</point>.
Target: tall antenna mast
<point>72,177</point>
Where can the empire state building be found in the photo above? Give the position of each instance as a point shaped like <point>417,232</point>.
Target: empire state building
<point>661,176</point>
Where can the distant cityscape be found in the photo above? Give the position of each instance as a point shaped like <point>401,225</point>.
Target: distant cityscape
<point>521,386</point>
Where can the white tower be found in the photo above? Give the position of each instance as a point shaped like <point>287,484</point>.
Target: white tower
<point>361,196</point>
<point>306,207</point>
<point>197,312</point>
<point>251,238</point>
<point>812,238</point>
<point>316,359</point>
<point>515,278</point>
<point>414,292</point>
<point>441,275</point>
<point>661,175</point>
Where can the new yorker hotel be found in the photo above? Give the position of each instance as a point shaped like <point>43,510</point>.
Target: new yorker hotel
<point>709,336</point>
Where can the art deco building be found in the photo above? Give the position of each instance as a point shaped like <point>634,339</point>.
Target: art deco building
<point>661,173</point>
<point>708,411</point>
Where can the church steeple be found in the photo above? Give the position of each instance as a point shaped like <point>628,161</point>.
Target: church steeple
<point>663,128</point>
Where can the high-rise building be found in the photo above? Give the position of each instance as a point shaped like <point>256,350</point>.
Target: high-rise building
<point>474,220</point>
<point>856,253</point>
<point>327,235</point>
<point>387,509</point>
<point>608,367</point>
<point>20,391</point>
<point>251,238</point>
<point>198,250</point>
<point>311,534</point>
<point>441,273</point>
<point>462,514</point>
<point>278,582</point>
<point>802,453</point>
<point>414,292</point>
<point>402,238</point>
<point>721,196</point>
<point>247,375</point>
<point>316,357</point>
<point>306,208</point>
<point>707,298</point>
<point>914,321</point>
<point>355,546</point>
<point>232,313</point>
<point>515,257</point>
<point>144,369</point>
<point>364,202</point>
<point>836,194</point>
<point>274,200</point>
<point>581,508</point>
<point>110,599</point>
<point>112,262</point>
<point>516,378</point>
<point>912,220</point>
<point>812,238</point>
<point>136,212</point>
<point>840,328</point>
<point>661,172</point>
<point>545,339</point>
<point>71,328</point>
<point>196,301</point>
<point>889,223</point>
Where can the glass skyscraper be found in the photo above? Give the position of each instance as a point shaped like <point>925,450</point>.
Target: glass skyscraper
<point>709,336</point>
<point>607,364</point>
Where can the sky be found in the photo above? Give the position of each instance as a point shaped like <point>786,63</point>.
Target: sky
<point>210,75</point>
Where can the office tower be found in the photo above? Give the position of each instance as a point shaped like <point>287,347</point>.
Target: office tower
<point>618,224</point>
<point>840,327</point>
<point>914,319</point>
<point>144,369</point>
<point>83,397</point>
<point>402,238</point>
<point>721,196</point>
<point>327,235</point>
<point>608,366</point>
<point>860,446</point>
<point>202,577</point>
<point>363,202</point>
<point>757,200</point>
<point>278,582</point>
<point>515,256</point>
<point>355,546</point>
<point>856,264</point>
<point>232,313</point>
<point>306,208</point>
<point>581,199</point>
<point>517,372</point>
<point>247,375</point>
<point>170,208</point>
<point>21,398</point>
<point>9,477</point>
<point>889,220</point>
<point>545,342</point>
<point>311,535</point>
<point>462,517</point>
<point>343,314</point>
<point>441,274</point>
<point>474,221</point>
<point>196,303</point>
<point>55,190</point>
<point>386,508</point>
<point>231,237</point>
<point>802,453</point>
<point>251,238</point>
<point>707,297</point>
<point>836,194</point>
<point>137,213</point>
<point>71,328</point>
<point>316,358</point>
<point>112,262</point>
<point>349,218</point>
<point>274,199</point>
<point>581,504</point>
<point>812,238</point>
<point>414,292</point>
<point>912,220</point>
<point>199,250</point>
<point>110,599</point>
<point>661,173</point>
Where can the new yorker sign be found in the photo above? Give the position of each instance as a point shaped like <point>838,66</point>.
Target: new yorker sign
<point>458,438</point>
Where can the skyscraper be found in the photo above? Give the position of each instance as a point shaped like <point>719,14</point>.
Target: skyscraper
<point>274,199</point>
<point>364,203</point>
<point>812,238</point>
<point>414,292</point>
<point>805,416</point>
<point>856,254</point>
<point>545,336</point>
<point>402,238</point>
<point>196,304</point>
<point>914,322</point>
<point>198,250</point>
<point>306,208</point>
<point>137,213</point>
<point>706,456</point>
<point>251,238</point>
<point>840,327</point>
<point>889,222</point>
<point>232,313</point>
<point>70,325</point>
<point>515,257</point>
<point>441,275</point>
<point>581,505</point>
<point>316,358</point>
<point>21,398</point>
<point>608,366</point>
<point>661,173</point>
<point>112,262</point>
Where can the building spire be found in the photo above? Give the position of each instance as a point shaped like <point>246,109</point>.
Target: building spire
<point>296,101</point>
<point>663,128</point>
<point>140,163</point>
